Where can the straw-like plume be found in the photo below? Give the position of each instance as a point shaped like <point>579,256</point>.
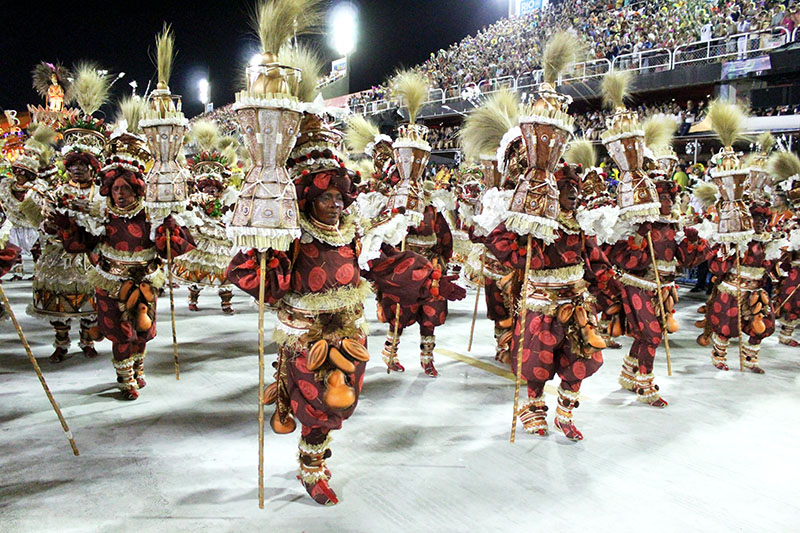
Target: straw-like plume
<point>581,152</point>
<point>165,53</point>
<point>766,141</point>
<point>706,193</point>
<point>277,21</point>
<point>484,128</point>
<point>561,50</point>
<point>783,165</point>
<point>43,135</point>
<point>305,59</point>
<point>616,88</point>
<point>411,88</point>
<point>364,167</point>
<point>727,121</point>
<point>658,131</point>
<point>359,133</point>
<point>89,88</point>
<point>205,133</point>
<point>131,109</point>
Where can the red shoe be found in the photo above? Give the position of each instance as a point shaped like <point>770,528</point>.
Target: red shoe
<point>228,311</point>
<point>320,491</point>
<point>58,355</point>
<point>755,369</point>
<point>429,369</point>
<point>193,307</point>
<point>141,382</point>
<point>89,352</point>
<point>791,342</point>
<point>720,366</point>
<point>568,429</point>
<point>395,366</point>
<point>130,394</point>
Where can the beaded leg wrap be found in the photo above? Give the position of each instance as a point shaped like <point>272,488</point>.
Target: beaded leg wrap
<point>194,294</point>
<point>567,401</point>
<point>389,352</point>
<point>503,338</point>
<point>785,333</point>
<point>750,352</point>
<point>533,415</point>
<point>226,297</point>
<point>61,342</point>
<point>138,370</point>
<point>89,332</point>
<point>627,377</point>
<point>125,378</point>
<point>648,391</point>
<point>426,345</point>
<point>313,473</point>
<point>719,352</point>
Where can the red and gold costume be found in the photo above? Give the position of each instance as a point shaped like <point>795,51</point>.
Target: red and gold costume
<point>127,251</point>
<point>559,335</point>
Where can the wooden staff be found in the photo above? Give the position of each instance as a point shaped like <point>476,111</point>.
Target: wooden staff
<point>38,371</point>
<point>172,309</point>
<point>397,316</point>
<point>739,309</point>
<point>660,302</point>
<point>523,314</point>
<point>261,290</point>
<point>778,310</point>
<point>477,299</point>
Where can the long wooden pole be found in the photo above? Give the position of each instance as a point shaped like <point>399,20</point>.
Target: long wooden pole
<point>261,290</point>
<point>172,309</point>
<point>739,309</point>
<point>660,303</point>
<point>477,300</point>
<point>397,317</point>
<point>38,371</point>
<point>523,315</point>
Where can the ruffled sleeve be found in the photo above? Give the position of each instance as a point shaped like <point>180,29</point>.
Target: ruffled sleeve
<point>181,240</point>
<point>244,271</point>
<point>510,248</point>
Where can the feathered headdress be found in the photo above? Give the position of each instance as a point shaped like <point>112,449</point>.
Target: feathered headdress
<point>131,110</point>
<point>277,21</point>
<point>411,89</point>
<point>307,61</point>
<point>658,132</point>
<point>205,134</point>
<point>41,76</point>
<point>784,165</point>
<point>484,128</point>
<point>165,55</point>
<point>615,89</point>
<point>89,88</point>
<point>561,50</point>
<point>581,152</point>
<point>706,193</point>
<point>727,121</point>
<point>38,149</point>
<point>358,133</point>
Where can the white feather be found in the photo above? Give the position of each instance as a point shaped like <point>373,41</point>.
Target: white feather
<point>494,210</point>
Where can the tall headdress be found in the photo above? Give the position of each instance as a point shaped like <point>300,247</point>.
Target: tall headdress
<point>658,132</point>
<point>164,126</point>
<point>209,163</point>
<point>411,150</point>
<point>624,139</point>
<point>730,177</point>
<point>269,113</point>
<point>56,94</point>
<point>785,167</point>
<point>83,132</point>
<point>483,130</point>
<point>545,127</point>
<point>127,148</point>
<point>760,183</point>
<point>362,136</point>
<point>38,150</point>
<point>594,191</point>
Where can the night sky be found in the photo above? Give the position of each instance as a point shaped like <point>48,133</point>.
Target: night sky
<point>213,40</point>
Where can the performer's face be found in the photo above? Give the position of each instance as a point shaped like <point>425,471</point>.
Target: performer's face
<point>22,175</point>
<point>568,197</point>
<point>210,189</point>
<point>666,202</point>
<point>759,223</point>
<point>122,194</point>
<point>79,171</point>
<point>328,207</point>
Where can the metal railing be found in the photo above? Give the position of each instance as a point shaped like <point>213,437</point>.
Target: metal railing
<point>737,46</point>
<point>655,60</point>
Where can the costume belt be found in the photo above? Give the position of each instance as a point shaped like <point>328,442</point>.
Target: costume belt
<point>729,287</point>
<point>136,270</point>
<point>648,283</point>
<point>556,277</point>
<point>421,241</point>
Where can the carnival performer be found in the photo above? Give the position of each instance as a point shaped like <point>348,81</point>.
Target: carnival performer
<point>673,248</point>
<point>739,303</point>
<point>491,135</point>
<point>211,204</point>
<point>785,167</point>
<point>22,193</point>
<point>129,247</point>
<point>61,288</point>
<point>319,290</point>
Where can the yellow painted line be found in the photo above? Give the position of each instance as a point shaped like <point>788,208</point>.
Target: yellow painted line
<point>488,367</point>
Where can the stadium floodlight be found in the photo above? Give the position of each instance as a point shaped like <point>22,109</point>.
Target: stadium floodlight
<point>343,24</point>
<point>203,88</point>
